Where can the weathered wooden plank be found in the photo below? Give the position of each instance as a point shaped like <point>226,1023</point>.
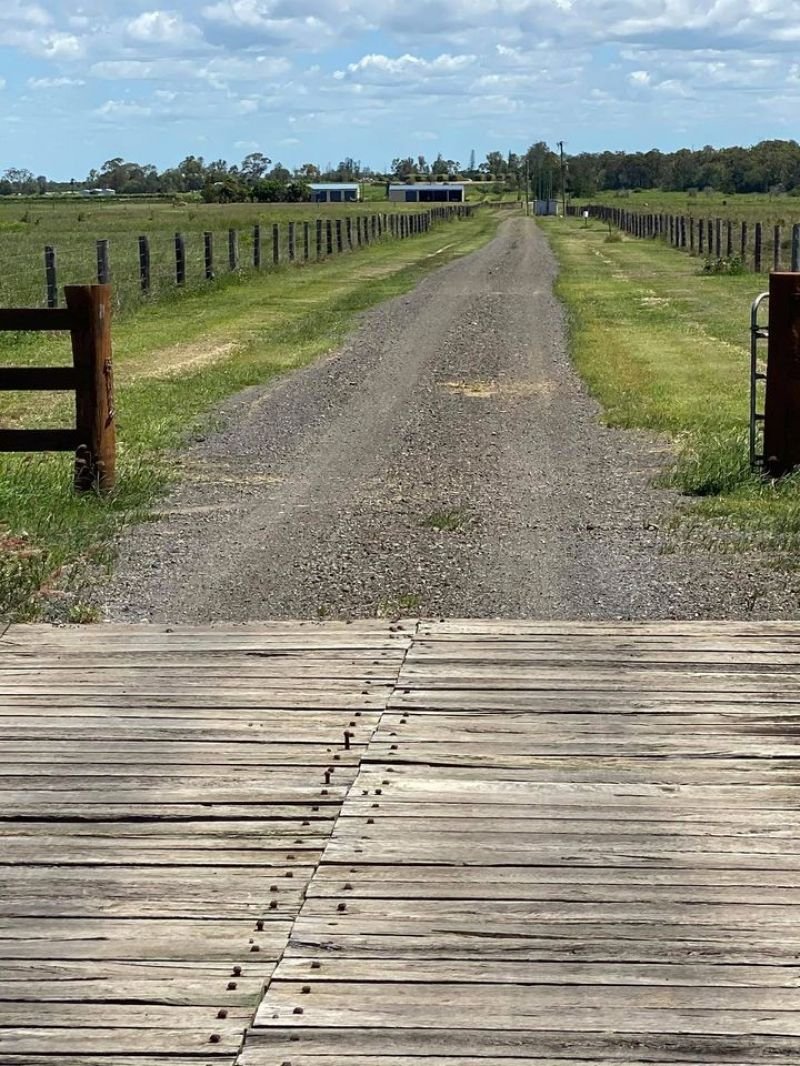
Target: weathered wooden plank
<point>491,1006</point>
<point>165,983</point>
<point>569,972</point>
<point>132,892</point>
<point>70,1040</point>
<point>627,1045</point>
<point>120,939</point>
<point>582,883</point>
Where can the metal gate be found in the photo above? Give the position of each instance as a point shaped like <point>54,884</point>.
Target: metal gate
<point>759,336</point>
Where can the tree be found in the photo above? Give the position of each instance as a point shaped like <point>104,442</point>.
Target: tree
<point>297,192</point>
<point>254,166</point>
<point>308,172</point>
<point>403,169</point>
<point>268,191</point>
<point>227,191</point>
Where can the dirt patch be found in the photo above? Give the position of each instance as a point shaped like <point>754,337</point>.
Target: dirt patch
<point>505,389</point>
<point>169,362</point>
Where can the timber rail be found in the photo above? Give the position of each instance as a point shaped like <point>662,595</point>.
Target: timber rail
<point>87,318</point>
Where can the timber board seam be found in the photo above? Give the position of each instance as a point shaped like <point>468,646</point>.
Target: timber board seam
<point>414,623</point>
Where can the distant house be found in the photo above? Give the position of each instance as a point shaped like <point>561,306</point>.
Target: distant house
<point>335,192</point>
<point>428,192</point>
<point>98,192</point>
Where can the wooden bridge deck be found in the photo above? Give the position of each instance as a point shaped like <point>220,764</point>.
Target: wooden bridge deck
<point>537,844</point>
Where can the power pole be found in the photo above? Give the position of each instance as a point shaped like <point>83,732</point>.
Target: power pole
<point>563,182</point>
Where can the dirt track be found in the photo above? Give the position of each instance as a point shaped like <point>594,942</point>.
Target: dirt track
<point>455,405</point>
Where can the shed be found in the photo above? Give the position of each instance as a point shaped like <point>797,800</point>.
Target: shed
<point>546,207</point>
<point>428,192</point>
<point>335,192</point>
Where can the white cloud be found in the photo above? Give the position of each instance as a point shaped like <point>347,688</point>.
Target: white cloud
<point>162,27</point>
<point>54,83</point>
<point>639,77</point>
<point>118,109</point>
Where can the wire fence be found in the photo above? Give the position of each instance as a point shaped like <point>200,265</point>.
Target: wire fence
<point>145,267</point>
<point>754,245</point>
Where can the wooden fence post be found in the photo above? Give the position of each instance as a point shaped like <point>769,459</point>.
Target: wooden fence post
<point>306,241</point>
<point>328,237</point>
<point>291,242</point>
<point>339,244</point>
<point>319,238</point>
<point>796,246</point>
<point>743,243</point>
<point>103,267</point>
<point>94,398</point>
<point>276,244</point>
<point>50,276</point>
<point>257,246</point>
<point>208,251</point>
<point>144,265</point>
<point>757,248</point>
<point>701,236</point>
<point>691,235</point>
<point>776,248</point>
<point>729,239</point>
<point>782,399</point>
<point>180,259</point>
<point>233,249</point>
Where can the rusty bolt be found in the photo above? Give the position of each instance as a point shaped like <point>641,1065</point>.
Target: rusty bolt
<point>222,1013</point>
<point>324,792</point>
<point>231,986</point>
<point>273,906</point>
<point>260,925</point>
<point>273,888</point>
<point>370,821</point>
<point>237,971</point>
<point>348,887</point>
<point>297,1010</point>
<point>337,757</point>
<point>378,791</point>
<point>214,1038</point>
<point>316,965</point>
<point>255,947</point>
<point>392,747</point>
<point>342,907</point>
<point>306,989</point>
<point>346,740</point>
<point>288,874</point>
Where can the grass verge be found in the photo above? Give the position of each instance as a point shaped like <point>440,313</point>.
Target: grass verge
<point>665,347</point>
<point>174,362</point>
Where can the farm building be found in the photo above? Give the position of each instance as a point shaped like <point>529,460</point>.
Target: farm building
<point>427,192</point>
<point>335,192</point>
<point>546,207</point>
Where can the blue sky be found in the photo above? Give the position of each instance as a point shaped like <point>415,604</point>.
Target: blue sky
<point>317,80</point>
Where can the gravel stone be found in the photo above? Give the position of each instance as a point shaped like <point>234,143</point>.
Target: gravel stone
<point>326,494</point>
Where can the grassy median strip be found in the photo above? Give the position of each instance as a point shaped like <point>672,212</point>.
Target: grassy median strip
<point>174,362</point>
<point>664,347</point>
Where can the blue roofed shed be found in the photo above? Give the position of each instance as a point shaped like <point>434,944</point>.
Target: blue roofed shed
<point>335,192</point>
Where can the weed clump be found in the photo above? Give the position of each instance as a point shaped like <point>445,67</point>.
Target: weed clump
<point>711,463</point>
<point>731,265</point>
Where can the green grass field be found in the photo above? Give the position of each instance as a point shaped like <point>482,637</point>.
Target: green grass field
<point>175,360</point>
<point>664,347</point>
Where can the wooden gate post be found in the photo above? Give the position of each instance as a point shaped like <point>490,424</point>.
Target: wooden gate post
<point>94,397</point>
<point>782,400</point>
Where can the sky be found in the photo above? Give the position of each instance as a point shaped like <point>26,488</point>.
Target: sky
<point>318,80</point>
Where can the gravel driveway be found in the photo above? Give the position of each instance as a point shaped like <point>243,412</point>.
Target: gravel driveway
<point>446,461</point>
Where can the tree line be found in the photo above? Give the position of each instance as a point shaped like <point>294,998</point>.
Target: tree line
<point>768,167</point>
